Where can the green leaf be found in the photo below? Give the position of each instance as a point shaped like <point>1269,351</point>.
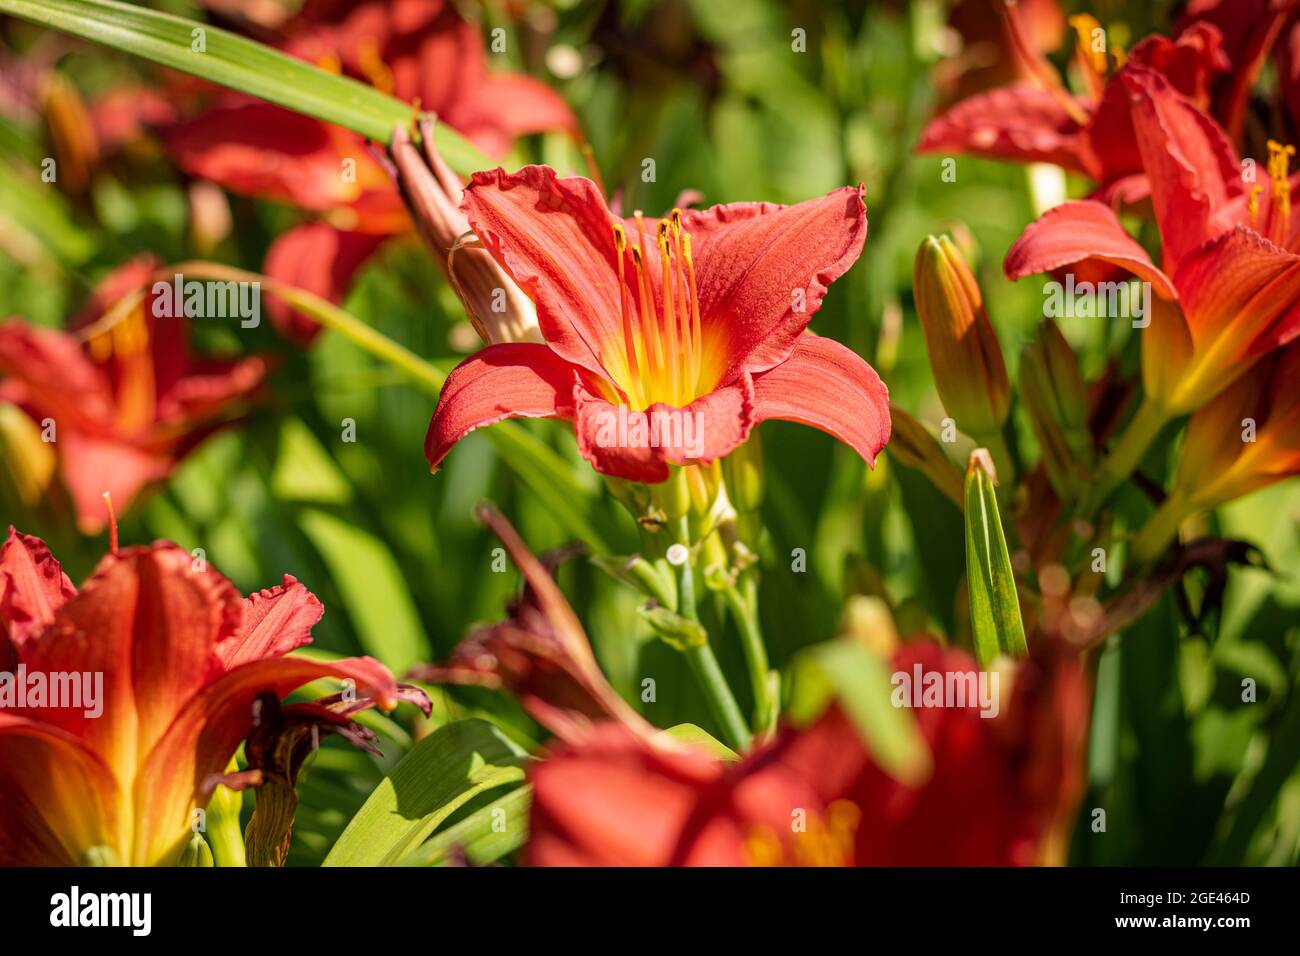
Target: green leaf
<point>230,60</point>
<point>691,734</point>
<point>994,607</point>
<point>845,671</point>
<point>485,836</point>
<point>446,770</point>
<point>374,592</point>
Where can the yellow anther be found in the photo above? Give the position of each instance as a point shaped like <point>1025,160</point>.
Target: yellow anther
<point>1252,204</point>
<point>1091,40</point>
<point>620,237</point>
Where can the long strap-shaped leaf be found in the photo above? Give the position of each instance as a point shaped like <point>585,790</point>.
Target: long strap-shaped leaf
<point>232,61</point>
<point>994,607</point>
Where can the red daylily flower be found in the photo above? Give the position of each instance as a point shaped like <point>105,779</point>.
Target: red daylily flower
<point>1040,120</point>
<point>1250,30</point>
<point>1229,289</point>
<point>1001,792</point>
<point>702,314</point>
<point>126,401</point>
<point>422,51</point>
<point>179,657</point>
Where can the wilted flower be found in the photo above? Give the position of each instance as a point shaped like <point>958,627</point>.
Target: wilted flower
<point>167,660</point>
<point>698,319</point>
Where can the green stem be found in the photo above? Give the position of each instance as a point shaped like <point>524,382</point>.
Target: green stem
<point>1161,529</point>
<point>703,663</point>
<point>1125,456</point>
<point>743,603</point>
<point>366,337</point>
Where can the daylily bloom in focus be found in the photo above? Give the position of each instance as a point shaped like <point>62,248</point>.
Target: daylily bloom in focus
<point>1001,791</point>
<point>421,51</point>
<point>1228,291</point>
<point>1092,134</point>
<point>158,666</point>
<point>696,321</point>
<point>1246,439</point>
<point>122,400</point>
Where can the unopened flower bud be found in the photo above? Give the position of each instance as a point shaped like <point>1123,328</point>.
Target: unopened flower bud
<point>965,357</point>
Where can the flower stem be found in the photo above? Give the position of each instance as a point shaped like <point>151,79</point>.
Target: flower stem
<point>703,663</point>
<point>1125,456</point>
<point>743,603</point>
<point>421,372</point>
<point>1161,529</point>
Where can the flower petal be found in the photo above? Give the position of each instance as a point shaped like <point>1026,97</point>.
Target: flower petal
<point>1023,121</point>
<point>91,466</point>
<point>763,269</point>
<point>830,387</point>
<point>1242,293</point>
<point>149,622</point>
<point>57,798</point>
<point>32,587</point>
<point>320,259</point>
<point>203,736</point>
<point>613,801</point>
<point>276,620</point>
<point>555,238</point>
<point>511,380</point>
<point>1193,170</point>
<point>257,149</point>
<point>1077,231</point>
<point>54,375</point>
<point>639,445</point>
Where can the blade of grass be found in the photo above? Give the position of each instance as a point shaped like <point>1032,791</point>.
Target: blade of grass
<point>229,60</point>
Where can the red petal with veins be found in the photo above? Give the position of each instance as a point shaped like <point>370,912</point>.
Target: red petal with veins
<point>1242,293</point>
<point>32,587</point>
<point>830,387</point>
<point>763,269</point>
<point>276,620</point>
<point>511,380</point>
<point>555,238</point>
<point>1077,231</point>
<point>1193,170</point>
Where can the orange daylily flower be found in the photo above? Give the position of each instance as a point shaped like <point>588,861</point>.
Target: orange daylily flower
<point>168,660</point>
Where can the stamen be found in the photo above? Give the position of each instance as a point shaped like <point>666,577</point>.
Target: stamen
<point>670,316</point>
<point>697,335</point>
<point>112,523</point>
<point>1091,60</point>
<point>1252,204</point>
<point>1278,223</point>
<point>1039,64</point>
<point>634,354</point>
<point>649,323</point>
